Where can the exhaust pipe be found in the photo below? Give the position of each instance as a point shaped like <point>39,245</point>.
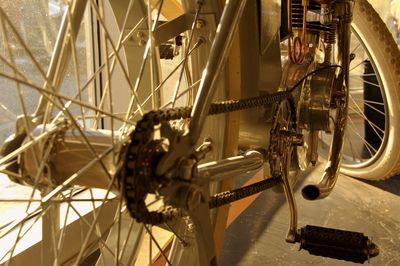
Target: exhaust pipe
<point>329,178</point>
<point>331,172</point>
<point>325,185</point>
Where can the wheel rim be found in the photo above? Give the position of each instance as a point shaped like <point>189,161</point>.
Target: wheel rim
<point>361,155</point>
<point>98,112</point>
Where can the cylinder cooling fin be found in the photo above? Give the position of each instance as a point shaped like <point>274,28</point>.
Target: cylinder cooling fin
<point>319,14</point>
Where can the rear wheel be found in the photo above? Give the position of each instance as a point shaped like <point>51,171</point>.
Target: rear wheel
<point>74,106</point>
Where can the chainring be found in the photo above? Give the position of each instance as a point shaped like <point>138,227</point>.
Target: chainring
<point>282,134</point>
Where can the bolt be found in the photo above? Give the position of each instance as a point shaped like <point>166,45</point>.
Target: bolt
<point>191,227</point>
<point>326,15</point>
<point>142,43</point>
<point>200,23</point>
<point>140,34</point>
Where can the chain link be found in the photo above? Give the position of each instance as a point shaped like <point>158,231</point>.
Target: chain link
<point>136,174</point>
<point>227,197</point>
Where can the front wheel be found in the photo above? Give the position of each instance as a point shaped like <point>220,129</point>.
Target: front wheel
<point>371,150</point>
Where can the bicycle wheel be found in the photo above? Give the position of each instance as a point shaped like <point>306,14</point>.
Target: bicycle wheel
<point>370,147</point>
<point>74,95</point>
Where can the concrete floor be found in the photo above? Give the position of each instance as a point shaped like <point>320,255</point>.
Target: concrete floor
<point>257,236</point>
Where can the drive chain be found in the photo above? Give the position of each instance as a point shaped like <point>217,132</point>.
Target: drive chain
<point>137,175</point>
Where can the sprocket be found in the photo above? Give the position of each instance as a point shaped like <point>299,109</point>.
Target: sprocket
<point>283,137</point>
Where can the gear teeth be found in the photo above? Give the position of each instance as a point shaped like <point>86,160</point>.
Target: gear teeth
<point>135,193</point>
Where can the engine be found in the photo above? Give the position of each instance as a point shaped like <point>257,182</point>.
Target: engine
<point>311,25</point>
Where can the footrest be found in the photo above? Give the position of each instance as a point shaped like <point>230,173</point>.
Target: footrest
<point>337,244</point>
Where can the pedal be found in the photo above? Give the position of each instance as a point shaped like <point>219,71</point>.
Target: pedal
<point>337,244</point>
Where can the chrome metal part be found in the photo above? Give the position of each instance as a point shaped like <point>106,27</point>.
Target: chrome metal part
<point>331,172</point>
<point>199,215</point>
<point>292,74</point>
<point>315,101</point>
<point>344,10</point>
<point>138,39</point>
<point>303,152</point>
<point>185,229</point>
<point>219,51</point>
<point>291,234</point>
<point>261,68</point>
<point>62,50</point>
<point>69,154</point>
<point>144,152</point>
<point>270,66</point>
<point>280,146</point>
<point>249,164</point>
<point>314,147</point>
<point>280,153</point>
<point>320,25</point>
<point>218,54</point>
<point>173,28</point>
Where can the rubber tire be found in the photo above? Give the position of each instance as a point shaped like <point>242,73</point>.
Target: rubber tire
<point>385,55</point>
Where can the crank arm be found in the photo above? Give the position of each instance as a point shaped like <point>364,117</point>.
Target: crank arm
<point>292,231</point>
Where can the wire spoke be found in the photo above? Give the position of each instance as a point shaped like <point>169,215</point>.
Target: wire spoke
<point>160,86</point>
<point>354,67</point>
<point>20,95</point>
<point>75,64</point>
<point>84,220</point>
<point>349,140</point>
<point>368,145</point>
<point>126,241</point>
<point>362,114</point>
<point>366,75</point>
<point>95,221</point>
<point>19,233</point>
<point>368,101</point>
<point>157,244</point>
<point>64,225</point>
<point>356,48</point>
<point>119,221</point>
<point>184,243</point>
<point>373,126</point>
<point>374,108</point>
<point>88,104</point>
<point>117,56</point>
<point>46,94</point>
<point>365,81</point>
<point>186,56</point>
<point>150,246</point>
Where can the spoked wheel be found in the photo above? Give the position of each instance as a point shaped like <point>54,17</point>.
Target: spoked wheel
<point>71,98</point>
<point>371,150</point>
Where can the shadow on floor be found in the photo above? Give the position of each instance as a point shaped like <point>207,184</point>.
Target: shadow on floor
<point>391,185</point>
